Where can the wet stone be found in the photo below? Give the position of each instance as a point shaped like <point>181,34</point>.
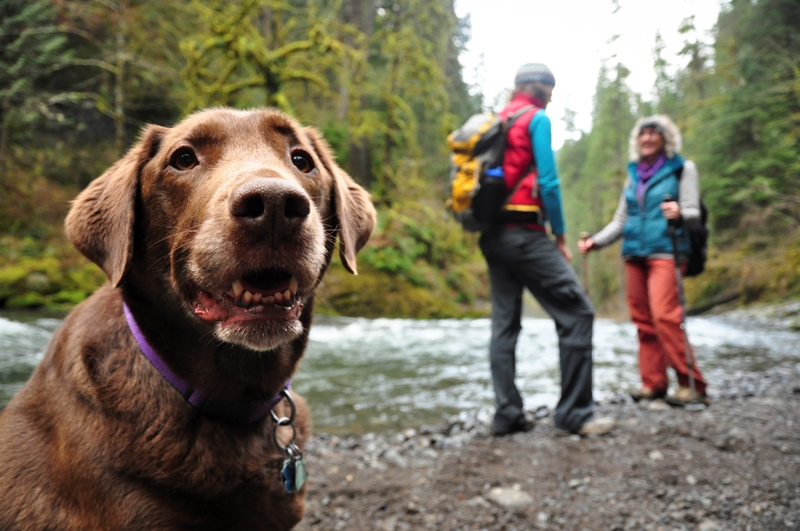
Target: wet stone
<point>510,497</point>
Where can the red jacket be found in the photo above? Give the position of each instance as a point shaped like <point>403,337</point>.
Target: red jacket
<point>518,161</point>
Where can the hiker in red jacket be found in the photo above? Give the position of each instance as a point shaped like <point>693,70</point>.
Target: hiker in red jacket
<point>520,254</point>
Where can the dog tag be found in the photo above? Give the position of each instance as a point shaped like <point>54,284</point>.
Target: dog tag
<point>300,473</point>
<point>294,474</point>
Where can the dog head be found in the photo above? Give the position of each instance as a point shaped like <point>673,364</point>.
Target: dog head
<point>231,215</point>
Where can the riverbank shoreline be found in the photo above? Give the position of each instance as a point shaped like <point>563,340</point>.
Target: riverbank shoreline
<point>734,466</point>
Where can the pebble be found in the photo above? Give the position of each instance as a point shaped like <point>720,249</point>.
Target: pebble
<point>659,405</point>
<point>510,497</point>
<point>479,501</point>
<point>389,524</point>
<point>709,525</point>
<point>656,455</point>
<point>378,465</point>
<point>392,457</point>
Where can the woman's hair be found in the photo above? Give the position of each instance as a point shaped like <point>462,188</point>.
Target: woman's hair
<point>661,123</point>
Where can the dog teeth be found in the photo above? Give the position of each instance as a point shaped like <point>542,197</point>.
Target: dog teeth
<point>237,288</point>
<point>246,298</point>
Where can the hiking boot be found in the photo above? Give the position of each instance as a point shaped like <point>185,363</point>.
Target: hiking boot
<point>596,426</point>
<point>645,393</point>
<point>524,425</point>
<point>599,426</point>
<point>684,396</point>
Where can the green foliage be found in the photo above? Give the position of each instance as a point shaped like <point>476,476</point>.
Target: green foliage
<point>416,243</point>
<point>234,61</point>
<point>35,273</point>
<point>379,294</point>
<point>380,79</point>
<point>748,142</point>
<point>593,172</point>
<point>412,81</point>
<point>738,106</point>
<point>750,272</point>
<point>30,49</point>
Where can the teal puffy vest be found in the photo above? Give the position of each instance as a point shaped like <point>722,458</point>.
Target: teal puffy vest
<point>645,231</point>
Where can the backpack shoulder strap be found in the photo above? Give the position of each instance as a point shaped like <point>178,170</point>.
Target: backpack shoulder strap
<point>517,115</point>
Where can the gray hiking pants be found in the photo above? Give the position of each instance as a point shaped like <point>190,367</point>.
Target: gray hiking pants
<point>524,258</point>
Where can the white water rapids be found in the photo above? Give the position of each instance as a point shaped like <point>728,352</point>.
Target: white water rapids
<point>384,374</point>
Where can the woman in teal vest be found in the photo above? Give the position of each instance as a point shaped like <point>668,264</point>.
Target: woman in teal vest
<point>656,170</point>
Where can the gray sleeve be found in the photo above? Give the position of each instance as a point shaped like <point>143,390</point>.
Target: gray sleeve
<point>612,232</point>
<point>689,194</point>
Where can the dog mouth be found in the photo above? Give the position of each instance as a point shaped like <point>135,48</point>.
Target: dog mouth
<point>265,294</point>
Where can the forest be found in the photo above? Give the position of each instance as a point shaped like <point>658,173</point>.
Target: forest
<point>382,81</point>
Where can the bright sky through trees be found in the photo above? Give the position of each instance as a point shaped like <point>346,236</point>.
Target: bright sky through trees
<point>574,37</point>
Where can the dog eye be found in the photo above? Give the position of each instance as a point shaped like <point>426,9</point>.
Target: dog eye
<point>184,159</point>
<point>302,161</point>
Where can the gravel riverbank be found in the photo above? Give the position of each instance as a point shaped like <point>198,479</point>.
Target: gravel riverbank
<point>734,466</point>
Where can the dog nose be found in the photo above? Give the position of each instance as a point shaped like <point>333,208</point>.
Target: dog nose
<point>270,207</point>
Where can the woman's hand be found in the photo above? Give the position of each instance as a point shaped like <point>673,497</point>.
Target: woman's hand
<point>585,245</point>
<point>671,209</point>
<point>561,245</point>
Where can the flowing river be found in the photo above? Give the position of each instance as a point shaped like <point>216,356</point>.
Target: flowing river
<point>362,375</point>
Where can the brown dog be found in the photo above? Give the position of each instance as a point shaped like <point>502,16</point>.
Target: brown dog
<point>214,235</point>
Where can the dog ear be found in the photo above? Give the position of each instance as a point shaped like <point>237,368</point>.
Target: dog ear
<point>355,214</point>
<point>100,222</point>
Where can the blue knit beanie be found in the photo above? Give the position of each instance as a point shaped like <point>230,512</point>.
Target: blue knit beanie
<point>530,72</point>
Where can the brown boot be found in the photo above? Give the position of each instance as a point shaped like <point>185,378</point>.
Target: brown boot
<point>645,393</point>
<point>684,396</point>
<point>595,426</point>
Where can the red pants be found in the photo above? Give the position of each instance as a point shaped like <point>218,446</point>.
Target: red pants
<point>656,311</point>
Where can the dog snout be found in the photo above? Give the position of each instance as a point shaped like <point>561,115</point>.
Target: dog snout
<point>270,207</point>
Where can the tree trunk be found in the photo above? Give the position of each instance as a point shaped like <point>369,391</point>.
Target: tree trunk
<point>384,184</point>
<point>119,94</point>
<point>361,13</point>
<point>4,141</point>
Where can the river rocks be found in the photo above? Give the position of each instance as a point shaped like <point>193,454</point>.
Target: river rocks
<point>709,525</point>
<point>785,315</point>
<point>658,405</point>
<point>655,455</point>
<point>735,439</point>
<point>733,466</point>
<point>510,497</point>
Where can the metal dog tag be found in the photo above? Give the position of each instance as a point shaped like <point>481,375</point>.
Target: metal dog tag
<point>294,474</point>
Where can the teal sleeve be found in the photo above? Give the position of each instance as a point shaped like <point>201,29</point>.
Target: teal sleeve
<point>549,184</point>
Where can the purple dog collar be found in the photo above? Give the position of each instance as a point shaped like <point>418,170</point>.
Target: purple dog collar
<point>232,410</point>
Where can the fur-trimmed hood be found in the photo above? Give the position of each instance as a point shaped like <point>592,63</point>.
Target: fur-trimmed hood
<point>672,136</point>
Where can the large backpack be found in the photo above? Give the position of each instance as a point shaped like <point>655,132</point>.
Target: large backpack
<point>698,236</point>
<point>477,184</point>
